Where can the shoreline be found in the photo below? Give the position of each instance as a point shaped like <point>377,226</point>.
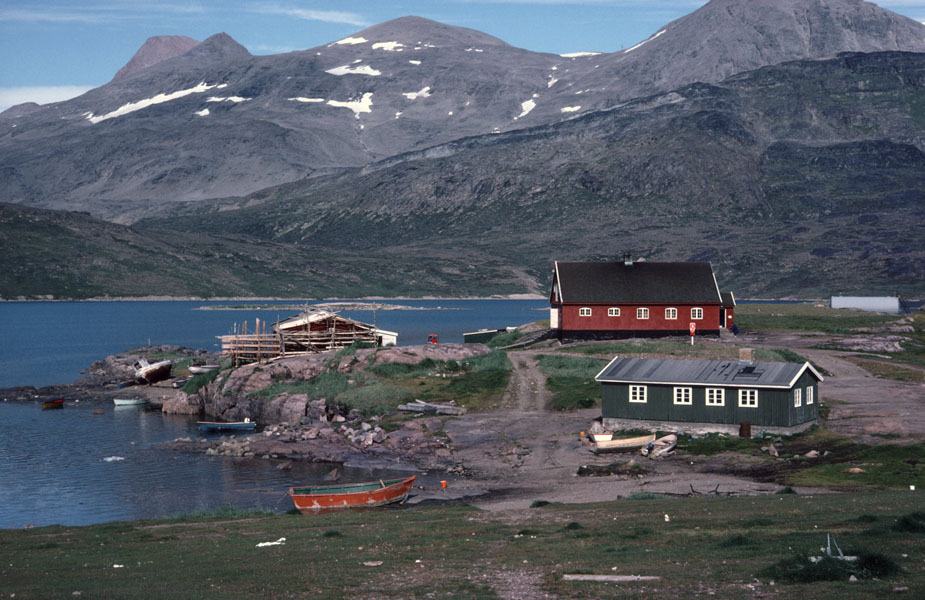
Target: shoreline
<point>525,296</point>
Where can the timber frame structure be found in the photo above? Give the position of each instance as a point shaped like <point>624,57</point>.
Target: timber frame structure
<point>306,333</point>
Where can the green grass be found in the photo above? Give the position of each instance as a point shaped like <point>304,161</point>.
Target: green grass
<point>888,466</point>
<point>197,382</point>
<point>324,385</point>
<point>505,339</point>
<point>571,380</point>
<point>375,399</point>
<point>806,317</point>
<point>460,552</point>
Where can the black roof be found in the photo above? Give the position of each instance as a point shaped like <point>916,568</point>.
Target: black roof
<point>637,283</point>
<point>729,300</point>
<point>707,372</point>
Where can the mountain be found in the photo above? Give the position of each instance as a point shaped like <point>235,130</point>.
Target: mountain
<point>156,49</point>
<point>216,122</point>
<point>805,178</point>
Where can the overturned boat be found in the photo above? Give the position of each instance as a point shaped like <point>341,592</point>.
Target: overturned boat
<point>146,372</point>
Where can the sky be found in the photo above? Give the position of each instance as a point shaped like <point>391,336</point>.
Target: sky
<point>52,50</point>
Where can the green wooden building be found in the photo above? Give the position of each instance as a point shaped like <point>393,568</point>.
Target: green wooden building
<point>718,394</point>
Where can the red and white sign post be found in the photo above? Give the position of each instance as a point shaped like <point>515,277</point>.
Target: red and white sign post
<point>693,331</point>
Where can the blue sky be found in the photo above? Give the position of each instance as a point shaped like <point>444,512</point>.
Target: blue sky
<point>54,49</point>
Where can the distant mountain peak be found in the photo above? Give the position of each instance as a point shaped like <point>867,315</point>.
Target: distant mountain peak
<point>412,30</point>
<point>220,47</point>
<point>156,49</point>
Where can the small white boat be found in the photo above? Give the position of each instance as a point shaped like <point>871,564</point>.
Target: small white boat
<point>623,444</point>
<point>146,372</point>
<point>602,436</point>
<point>129,401</point>
<point>200,369</point>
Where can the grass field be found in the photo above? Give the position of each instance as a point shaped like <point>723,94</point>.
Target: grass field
<point>702,546</point>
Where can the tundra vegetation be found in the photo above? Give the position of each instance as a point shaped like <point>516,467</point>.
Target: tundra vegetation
<point>744,546</point>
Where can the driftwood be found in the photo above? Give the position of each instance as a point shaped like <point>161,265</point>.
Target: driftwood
<point>611,578</point>
<point>426,407</point>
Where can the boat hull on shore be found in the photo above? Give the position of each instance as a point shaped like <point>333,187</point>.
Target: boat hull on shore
<point>623,444</point>
<point>327,498</point>
<point>246,425</point>
<point>129,401</point>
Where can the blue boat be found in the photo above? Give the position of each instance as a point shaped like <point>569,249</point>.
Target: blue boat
<point>245,425</point>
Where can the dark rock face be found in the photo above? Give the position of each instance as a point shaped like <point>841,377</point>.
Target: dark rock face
<point>156,49</point>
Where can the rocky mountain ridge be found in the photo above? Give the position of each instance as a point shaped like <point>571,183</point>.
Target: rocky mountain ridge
<point>215,121</point>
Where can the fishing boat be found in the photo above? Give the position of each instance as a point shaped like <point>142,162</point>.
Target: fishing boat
<point>52,404</point>
<point>129,401</point>
<point>245,425</point>
<point>199,369</point>
<point>146,372</point>
<point>326,498</point>
<point>603,436</point>
<point>623,444</point>
<point>661,446</point>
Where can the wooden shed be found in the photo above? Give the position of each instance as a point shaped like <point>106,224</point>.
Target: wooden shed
<point>775,396</point>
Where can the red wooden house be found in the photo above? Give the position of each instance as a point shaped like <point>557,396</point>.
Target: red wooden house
<point>637,299</point>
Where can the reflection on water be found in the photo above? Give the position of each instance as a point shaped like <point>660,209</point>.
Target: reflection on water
<point>73,467</point>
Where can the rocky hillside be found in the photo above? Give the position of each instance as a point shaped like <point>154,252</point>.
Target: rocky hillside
<point>799,179</point>
<point>215,122</point>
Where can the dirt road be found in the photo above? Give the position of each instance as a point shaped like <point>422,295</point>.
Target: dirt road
<point>525,452</point>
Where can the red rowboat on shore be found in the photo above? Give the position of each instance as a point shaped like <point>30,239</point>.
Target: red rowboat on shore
<point>326,498</point>
<point>50,404</point>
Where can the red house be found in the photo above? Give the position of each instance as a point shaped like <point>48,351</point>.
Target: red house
<point>637,299</point>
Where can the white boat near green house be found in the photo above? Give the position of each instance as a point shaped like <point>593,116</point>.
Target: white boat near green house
<point>709,395</point>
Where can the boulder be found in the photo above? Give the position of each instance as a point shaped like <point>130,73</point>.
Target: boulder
<point>287,408</point>
<point>182,404</point>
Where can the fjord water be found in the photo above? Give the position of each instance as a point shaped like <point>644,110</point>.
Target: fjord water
<point>46,343</point>
<point>75,467</point>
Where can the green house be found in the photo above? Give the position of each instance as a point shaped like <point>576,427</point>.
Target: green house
<point>709,394</point>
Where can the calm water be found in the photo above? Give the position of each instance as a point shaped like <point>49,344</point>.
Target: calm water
<point>45,343</point>
<point>73,467</point>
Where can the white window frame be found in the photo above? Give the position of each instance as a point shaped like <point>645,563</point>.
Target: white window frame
<point>684,396</point>
<point>613,311</point>
<point>642,314</point>
<point>697,314</point>
<point>715,396</point>
<point>584,311</point>
<point>671,314</point>
<point>748,398</point>
<point>809,395</point>
<point>639,392</point>
<point>797,398</point>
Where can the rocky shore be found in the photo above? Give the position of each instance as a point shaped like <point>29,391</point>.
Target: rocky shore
<point>293,426</point>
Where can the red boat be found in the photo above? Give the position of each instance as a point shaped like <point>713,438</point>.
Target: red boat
<point>326,498</point>
<point>50,404</point>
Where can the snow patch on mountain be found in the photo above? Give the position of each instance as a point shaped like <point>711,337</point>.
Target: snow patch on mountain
<point>628,50</point>
<point>568,109</point>
<point>526,107</point>
<point>235,99</point>
<point>579,54</point>
<point>351,41</point>
<point>414,62</point>
<point>363,105</point>
<point>389,46</point>
<point>424,93</point>
<point>202,113</point>
<point>348,70</point>
<point>306,100</point>
<point>158,99</point>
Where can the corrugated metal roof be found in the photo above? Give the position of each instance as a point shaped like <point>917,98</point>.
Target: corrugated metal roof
<point>637,283</point>
<point>703,372</point>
